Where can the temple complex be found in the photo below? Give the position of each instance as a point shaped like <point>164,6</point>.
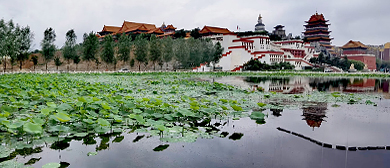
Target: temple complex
<point>355,50</point>
<point>316,30</point>
<point>240,49</point>
<point>260,26</point>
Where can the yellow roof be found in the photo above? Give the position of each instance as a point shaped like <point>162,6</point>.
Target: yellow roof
<point>387,45</point>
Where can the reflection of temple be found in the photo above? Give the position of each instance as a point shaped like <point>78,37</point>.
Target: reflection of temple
<point>292,85</point>
<point>314,113</point>
<point>360,85</point>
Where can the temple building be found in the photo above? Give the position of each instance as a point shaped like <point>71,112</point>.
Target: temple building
<point>109,30</point>
<point>260,26</point>
<point>317,31</point>
<point>280,32</point>
<point>137,28</point>
<point>355,50</point>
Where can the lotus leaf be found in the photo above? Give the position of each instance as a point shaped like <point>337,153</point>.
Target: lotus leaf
<point>62,117</point>
<point>103,122</point>
<point>5,152</point>
<point>32,128</point>
<point>51,165</point>
<point>236,108</point>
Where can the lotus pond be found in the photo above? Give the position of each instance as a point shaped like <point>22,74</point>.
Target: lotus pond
<point>193,120</point>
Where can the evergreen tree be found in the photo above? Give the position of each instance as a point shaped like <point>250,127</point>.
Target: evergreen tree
<point>90,47</point>
<point>34,59</point>
<point>155,50</point>
<point>48,47</point>
<point>124,47</point>
<point>108,50</point>
<point>57,61</point>
<point>218,50</point>
<point>141,48</point>
<point>167,50</point>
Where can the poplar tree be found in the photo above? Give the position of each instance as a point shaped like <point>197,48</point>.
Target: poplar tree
<point>167,50</point>
<point>69,50</point>
<point>48,47</point>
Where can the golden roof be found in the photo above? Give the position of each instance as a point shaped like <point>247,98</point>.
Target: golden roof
<point>354,44</point>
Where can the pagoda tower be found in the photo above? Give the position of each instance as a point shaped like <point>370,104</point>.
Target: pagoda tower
<point>260,26</point>
<point>316,30</point>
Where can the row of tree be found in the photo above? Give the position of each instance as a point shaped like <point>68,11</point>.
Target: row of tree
<point>15,43</point>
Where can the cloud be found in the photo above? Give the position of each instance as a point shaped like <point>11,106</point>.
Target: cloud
<point>350,19</point>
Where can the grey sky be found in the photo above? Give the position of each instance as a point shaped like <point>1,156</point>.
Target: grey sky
<point>363,20</point>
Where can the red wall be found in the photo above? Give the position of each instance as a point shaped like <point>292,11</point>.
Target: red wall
<point>370,61</point>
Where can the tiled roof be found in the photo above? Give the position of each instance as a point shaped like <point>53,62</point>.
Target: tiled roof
<point>354,44</point>
<point>156,31</point>
<point>170,27</point>
<point>316,17</point>
<point>132,26</point>
<point>110,28</point>
<point>215,30</point>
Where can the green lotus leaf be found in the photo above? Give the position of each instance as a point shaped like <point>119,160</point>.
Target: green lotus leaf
<point>236,108</point>
<point>102,130</point>
<point>80,134</point>
<point>161,127</point>
<point>103,122</point>
<point>11,164</point>
<point>261,104</point>
<point>105,105</point>
<point>62,117</point>
<point>51,165</point>
<point>47,111</point>
<point>59,128</point>
<point>5,152</point>
<point>186,113</point>
<point>32,128</point>
<point>137,111</point>
<point>92,153</point>
<point>64,107</point>
<point>51,104</point>
<point>38,121</point>
<point>257,115</point>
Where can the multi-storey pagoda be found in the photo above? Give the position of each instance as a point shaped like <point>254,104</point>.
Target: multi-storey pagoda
<point>316,30</point>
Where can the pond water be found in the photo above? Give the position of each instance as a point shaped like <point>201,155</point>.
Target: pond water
<point>316,134</point>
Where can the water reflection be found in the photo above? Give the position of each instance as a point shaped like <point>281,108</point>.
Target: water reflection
<point>314,113</point>
<point>299,85</point>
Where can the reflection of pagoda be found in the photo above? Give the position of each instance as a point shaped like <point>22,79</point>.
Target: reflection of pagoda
<point>314,114</point>
<point>276,112</point>
<point>317,31</point>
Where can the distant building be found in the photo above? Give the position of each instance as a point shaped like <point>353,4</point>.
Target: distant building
<point>280,32</point>
<point>355,50</point>
<point>260,26</point>
<point>316,30</point>
<point>386,52</point>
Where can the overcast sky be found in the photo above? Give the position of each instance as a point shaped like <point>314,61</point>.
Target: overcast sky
<point>363,20</point>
